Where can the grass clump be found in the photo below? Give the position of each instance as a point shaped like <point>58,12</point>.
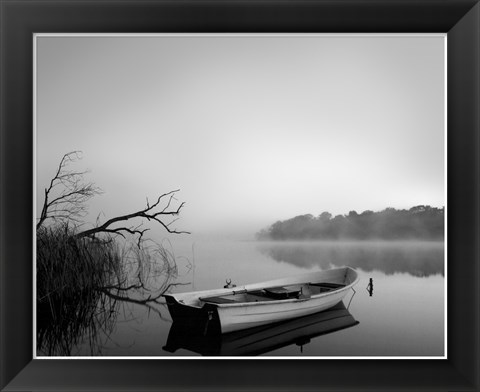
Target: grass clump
<point>66,266</point>
<point>81,282</point>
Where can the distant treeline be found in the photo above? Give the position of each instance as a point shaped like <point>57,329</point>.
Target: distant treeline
<point>419,222</point>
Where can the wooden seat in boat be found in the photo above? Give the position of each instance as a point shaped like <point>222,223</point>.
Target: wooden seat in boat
<point>283,292</point>
<point>217,300</point>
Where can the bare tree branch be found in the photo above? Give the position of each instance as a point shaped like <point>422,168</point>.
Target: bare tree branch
<point>147,213</point>
<point>144,301</point>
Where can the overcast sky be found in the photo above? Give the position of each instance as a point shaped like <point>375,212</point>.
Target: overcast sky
<point>252,129</point>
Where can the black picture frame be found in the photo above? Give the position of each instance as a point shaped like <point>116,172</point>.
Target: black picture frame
<point>460,19</point>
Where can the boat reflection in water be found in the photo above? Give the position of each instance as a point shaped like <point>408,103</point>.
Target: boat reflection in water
<point>200,338</point>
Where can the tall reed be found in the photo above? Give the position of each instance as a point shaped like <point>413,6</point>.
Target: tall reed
<point>80,283</point>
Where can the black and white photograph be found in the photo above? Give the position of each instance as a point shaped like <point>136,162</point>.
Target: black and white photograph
<point>240,195</point>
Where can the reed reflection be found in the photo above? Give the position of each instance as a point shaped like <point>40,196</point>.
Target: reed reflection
<point>85,319</point>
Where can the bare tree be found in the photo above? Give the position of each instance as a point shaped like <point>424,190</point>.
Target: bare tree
<point>67,194</point>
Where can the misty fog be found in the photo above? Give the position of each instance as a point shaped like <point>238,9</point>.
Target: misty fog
<point>251,129</point>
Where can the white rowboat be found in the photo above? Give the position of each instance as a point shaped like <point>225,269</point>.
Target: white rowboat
<point>236,308</point>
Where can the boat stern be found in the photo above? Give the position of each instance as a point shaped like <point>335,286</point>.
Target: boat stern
<point>205,316</point>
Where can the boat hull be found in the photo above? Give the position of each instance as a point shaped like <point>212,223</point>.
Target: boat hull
<point>249,316</point>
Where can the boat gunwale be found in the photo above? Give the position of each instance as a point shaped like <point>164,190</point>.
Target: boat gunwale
<point>244,289</point>
<point>281,301</point>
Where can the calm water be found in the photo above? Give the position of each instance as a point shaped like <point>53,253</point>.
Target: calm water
<point>403,317</point>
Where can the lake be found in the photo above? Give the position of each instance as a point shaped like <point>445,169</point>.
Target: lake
<point>402,317</point>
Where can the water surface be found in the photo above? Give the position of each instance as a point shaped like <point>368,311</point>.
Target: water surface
<point>404,316</point>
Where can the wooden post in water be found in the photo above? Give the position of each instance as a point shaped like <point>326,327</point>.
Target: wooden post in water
<point>370,287</point>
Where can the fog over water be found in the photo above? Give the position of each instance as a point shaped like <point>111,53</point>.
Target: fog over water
<point>252,129</point>
<point>415,258</point>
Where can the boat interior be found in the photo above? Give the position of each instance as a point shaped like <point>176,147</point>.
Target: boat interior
<point>298,291</point>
